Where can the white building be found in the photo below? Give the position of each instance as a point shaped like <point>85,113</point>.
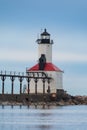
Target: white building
<point>45,65</point>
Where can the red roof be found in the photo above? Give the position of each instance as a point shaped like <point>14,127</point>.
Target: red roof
<point>48,67</point>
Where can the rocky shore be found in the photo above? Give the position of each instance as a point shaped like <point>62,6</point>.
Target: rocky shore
<point>65,100</point>
<point>60,98</point>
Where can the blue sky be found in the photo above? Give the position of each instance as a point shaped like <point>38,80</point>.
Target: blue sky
<point>21,21</point>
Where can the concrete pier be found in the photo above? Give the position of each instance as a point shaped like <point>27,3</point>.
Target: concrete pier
<point>28,96</point>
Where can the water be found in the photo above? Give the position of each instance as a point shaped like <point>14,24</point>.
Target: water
<point>43,118</point>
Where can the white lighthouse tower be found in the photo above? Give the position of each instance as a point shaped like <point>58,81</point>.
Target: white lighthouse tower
<point>45,65</point>
<point>45,46</point>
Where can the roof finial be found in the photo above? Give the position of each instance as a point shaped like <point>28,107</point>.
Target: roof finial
<point>45,33</point>
<point>45,30</point>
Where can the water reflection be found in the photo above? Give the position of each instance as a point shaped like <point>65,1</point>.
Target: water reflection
<point>12,106</point>
<point>44,127</point>
<point>43,117</point>
<point>2,106</point>
<point>24,117</point>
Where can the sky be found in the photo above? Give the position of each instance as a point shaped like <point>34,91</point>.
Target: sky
<point>22,21</point>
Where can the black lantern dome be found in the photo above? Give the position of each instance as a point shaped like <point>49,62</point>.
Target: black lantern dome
<point>45,38</point>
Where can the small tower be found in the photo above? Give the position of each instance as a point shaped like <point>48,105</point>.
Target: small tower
<point>45,46</point>
<point>45,65</point>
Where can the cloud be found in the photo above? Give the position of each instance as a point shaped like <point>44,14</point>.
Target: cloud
<point>30,55</point>
<point>18,45</point>
<point>69,57</point>
<point>76,84</point>
<point>17,55</point>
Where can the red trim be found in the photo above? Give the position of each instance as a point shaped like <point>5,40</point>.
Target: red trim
<point>48,67</point>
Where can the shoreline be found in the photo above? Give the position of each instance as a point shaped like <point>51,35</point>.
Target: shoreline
<point>72,100</point>
<point>61,98</point>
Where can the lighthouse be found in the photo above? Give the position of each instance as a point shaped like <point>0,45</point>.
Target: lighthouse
<point>45,65</point>
<point>45,46</point>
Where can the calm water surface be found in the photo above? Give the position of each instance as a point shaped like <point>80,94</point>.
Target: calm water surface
<point>43,118</point>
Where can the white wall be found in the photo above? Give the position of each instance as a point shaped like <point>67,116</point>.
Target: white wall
<point>59,80</point>
<point>45,49</point>
<point>56,83</point>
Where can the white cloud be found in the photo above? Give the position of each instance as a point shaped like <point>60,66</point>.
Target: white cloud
<point>20,46</point>
<point>25,55</point>
<point>75,85</point>
<point>69,57</point>
<point>17,38</point>
<point>74,41</point>
<point>17,55</point>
